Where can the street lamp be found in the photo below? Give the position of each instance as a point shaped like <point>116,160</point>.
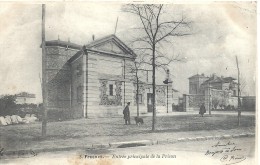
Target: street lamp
<point>167,81</point>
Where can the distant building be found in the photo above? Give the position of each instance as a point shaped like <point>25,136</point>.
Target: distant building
<point>199,83</point>
<point>25,98</point>
<point>195,83</point>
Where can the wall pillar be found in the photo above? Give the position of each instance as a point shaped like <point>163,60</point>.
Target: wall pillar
<point>84,84</point>
<point>169,97</point>
<point>208,99</point>
<point>185,102</point>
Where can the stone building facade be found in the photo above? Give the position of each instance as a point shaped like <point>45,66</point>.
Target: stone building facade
<point>92,80</point>
<point>214,92</point>
<point>25,98</point>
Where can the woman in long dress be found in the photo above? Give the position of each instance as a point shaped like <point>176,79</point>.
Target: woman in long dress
<point>202,110</point>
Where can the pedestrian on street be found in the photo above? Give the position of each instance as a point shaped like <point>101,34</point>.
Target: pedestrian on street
<point>202,110</point>
<point>126,113</point>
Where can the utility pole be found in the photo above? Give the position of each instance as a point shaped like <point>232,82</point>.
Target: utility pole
<point>124,80</point>
<point>147,80</point>
<point>116,26</point>
<point>44,80</point>
<point>238,96</point>
<point>209,99</point>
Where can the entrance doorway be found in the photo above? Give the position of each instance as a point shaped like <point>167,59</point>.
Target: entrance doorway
<point>149,102</point>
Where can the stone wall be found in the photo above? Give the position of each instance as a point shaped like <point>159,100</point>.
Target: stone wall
<point>212,98</point>
<point>249,103</point>
<point>161,97</point>
<point>192,102</point>
<point>77,87</point>
<point>219,98</point>
<point>58,73</point>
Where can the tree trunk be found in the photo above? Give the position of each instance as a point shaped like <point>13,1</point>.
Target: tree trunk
<point>153,96</point>
<point>137,95</point>
<point>238,97</point>
<point>44,83</point>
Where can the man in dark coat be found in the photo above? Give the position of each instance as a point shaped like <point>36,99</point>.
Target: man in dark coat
<point>202,110</point>
<point>126,113</point>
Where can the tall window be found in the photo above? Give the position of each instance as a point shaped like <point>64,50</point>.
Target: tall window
<point>140,99</point>
<point>79,94</point>
<point>110,89</point>
<point>193,88</point>
<point>79,70</point>
<point>234,93</point>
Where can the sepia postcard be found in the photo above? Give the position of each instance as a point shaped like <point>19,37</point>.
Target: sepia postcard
<point>131,82</point>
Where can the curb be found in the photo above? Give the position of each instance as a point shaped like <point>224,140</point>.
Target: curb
<point>130,143</point>
<point>126,144</point>
<point>203,138</point>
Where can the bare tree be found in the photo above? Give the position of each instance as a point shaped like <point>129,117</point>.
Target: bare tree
<point>157,28</point>
<point>136,69</point>
<point>242,86</point>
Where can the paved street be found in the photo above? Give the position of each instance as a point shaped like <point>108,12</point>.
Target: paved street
<point>82,132</point>
<point>219,152</point>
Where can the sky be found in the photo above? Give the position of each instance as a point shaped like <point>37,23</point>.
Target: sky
<point>221,31</point>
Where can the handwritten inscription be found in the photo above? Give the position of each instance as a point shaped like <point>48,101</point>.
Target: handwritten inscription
<point>232,159</point>
<point>227,151</point>
<point>223,150</point>
<point>224,144</point>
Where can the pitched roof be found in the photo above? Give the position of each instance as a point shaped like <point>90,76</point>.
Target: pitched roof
<point>216,79</point>
<point>91,47</point>
<point>197,75</point>
<point>66,44</point>
<point>114,38</point>
<point>229,79</point>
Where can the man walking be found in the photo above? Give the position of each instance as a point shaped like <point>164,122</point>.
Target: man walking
<point>126,113</point>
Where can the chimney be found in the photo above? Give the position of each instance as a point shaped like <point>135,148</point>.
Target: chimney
<point>168,75</point>
<point>214,76</point>
<point>67,47</point>
<point>93,37</point>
